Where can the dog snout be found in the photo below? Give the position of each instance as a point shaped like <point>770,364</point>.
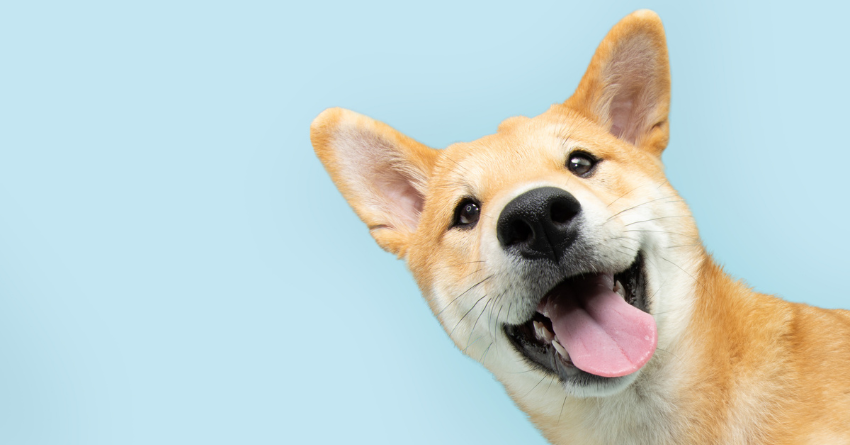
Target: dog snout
<point>539,224</point>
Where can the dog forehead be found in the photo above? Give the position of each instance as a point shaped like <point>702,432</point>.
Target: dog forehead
<point>500,157</point>
<point>525,150</point>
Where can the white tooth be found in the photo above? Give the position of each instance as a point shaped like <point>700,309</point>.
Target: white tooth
<point>538,330</point>
<point>542,332</point>
<point>618,288</point>
<point>561,349</point>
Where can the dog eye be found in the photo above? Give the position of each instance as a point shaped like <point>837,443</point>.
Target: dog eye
<point>581,164</point>
<point>466,214</point>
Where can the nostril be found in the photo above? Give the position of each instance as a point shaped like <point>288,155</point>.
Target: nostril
<point>539,223</point>
<point>561,213</point>
<point>519,232</point>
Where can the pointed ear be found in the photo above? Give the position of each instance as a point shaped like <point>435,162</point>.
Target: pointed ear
<point>382,173</point>
<point>626,88</point>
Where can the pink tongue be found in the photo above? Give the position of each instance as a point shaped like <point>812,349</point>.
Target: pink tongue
<point>603,334</point>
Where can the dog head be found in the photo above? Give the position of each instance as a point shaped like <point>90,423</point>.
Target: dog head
<point>554,249</point>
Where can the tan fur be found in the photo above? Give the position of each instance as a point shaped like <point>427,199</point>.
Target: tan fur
<point>732,366</point>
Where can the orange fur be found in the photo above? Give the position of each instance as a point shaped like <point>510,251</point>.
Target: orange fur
<point>733,366</point>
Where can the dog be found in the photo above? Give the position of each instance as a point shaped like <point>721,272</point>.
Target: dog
<point>556,253</point>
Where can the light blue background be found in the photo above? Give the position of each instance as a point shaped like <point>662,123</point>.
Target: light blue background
<point>176,267</point>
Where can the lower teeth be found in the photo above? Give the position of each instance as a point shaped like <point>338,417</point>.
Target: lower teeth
<point>563,352</point>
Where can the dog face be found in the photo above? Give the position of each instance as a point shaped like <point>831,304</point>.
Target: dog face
<point>554,249</point>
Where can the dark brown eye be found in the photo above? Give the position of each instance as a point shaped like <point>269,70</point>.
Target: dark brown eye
<point>466,214</point>
<point>581,164</point>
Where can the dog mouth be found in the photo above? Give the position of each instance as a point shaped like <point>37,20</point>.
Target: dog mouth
<point>590,325</point>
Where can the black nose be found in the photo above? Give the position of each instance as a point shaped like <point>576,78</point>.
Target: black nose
<point>539,223</point>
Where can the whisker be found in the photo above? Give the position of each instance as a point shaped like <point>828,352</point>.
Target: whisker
<point>660,286</point>
<point>496,322</point>
<point>462,168</point>
<point>492,308</point>
<point>662,313</point>
<point>468,344</point>
<point>656,219</point>
<point>550,383</point>
<point>467,313</point>
<point>638,205</point>
<point>624,194</point>
<point>628,249</point>
<point>562,409</point>
<point>683,270</point>
<point>483,310</point>
<point>535,386</point>
<point>484,356</point>
<point>464,292</point>
<point>658,231</point>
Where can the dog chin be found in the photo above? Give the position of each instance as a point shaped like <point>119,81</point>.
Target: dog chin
<point>589,385</point>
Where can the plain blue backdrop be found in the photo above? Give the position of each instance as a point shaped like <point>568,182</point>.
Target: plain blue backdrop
<point>176,267</point>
